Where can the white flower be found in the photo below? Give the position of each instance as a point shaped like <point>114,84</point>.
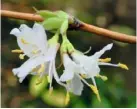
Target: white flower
<point>33,42</point>
<point>91,65</point>
<point>70,75</point>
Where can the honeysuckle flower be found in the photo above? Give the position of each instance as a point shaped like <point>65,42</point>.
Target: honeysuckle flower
<point>72,71</point>
<point>29,44</point>
<point>33,42</point>
<point>42,53</point>
<point>91,65</point>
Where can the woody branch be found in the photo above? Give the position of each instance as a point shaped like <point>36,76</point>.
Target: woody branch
<point>83,26</point>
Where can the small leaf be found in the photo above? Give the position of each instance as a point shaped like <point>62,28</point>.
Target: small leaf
<point>64,27</point>
<point>61,14</point>
<point>46,14</point>
<point>52,23</point>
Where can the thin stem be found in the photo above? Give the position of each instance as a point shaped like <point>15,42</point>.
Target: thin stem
<point>56,36</point>
<point>109,34</point>
<point>83,26</point>
<point>64,37</point>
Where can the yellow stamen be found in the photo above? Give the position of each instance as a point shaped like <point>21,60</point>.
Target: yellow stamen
<point>124,66</point>
<point>104,78</point>
<point>17,51</point>
<point>24,41</point>
<point>39,81</point>
<point>35,51</point>
<point>41,69</point>
<point>67,99</point>
<point>105,60</point>
<point>48,78</point>
<point>21,56</point>
<point>50,90</point>
<point>95,90</point>
<point>83,76</point>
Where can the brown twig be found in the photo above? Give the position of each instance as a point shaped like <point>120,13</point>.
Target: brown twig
<point>83,26</point>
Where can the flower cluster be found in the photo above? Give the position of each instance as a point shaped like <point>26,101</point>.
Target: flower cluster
<point>41,53</point>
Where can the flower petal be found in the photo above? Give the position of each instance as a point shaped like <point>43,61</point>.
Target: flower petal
<point>27,48</point>
<point>15,71</point>
<point>21,79</point>
<point>41,36</point>
<point>67,75</point>
<point>29,65</point>
<point>51,53</point>
<point>24,27</point>
<point>57,77</point>
<point>75,85</point>
<point>68,63</point>
<point>98,54</point>
<point>15,32</point>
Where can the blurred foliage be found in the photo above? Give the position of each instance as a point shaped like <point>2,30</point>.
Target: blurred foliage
<point>37,89</point>
<point>118,91</point>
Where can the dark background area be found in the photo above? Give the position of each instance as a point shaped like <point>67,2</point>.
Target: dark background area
<point>118,91</point>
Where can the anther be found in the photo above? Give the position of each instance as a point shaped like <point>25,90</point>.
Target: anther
<point>124,66</point>
<point>105,60</point>
<point>17,51</point>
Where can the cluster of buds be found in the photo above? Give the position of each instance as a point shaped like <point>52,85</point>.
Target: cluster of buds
<point>78,67</point>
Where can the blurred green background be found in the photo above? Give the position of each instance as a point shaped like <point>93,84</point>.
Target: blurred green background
<point>118,91</point>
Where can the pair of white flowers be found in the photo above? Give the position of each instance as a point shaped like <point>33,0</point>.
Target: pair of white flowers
<point>42,53</point>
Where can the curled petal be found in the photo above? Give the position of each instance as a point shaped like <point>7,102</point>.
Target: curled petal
<point>98,54</point>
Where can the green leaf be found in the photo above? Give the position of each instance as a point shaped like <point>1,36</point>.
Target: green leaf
<point>61,14</point>
<point>46,14</point>
<point>53,23</point>
<point>64,27</point>
<point>34,89</point>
